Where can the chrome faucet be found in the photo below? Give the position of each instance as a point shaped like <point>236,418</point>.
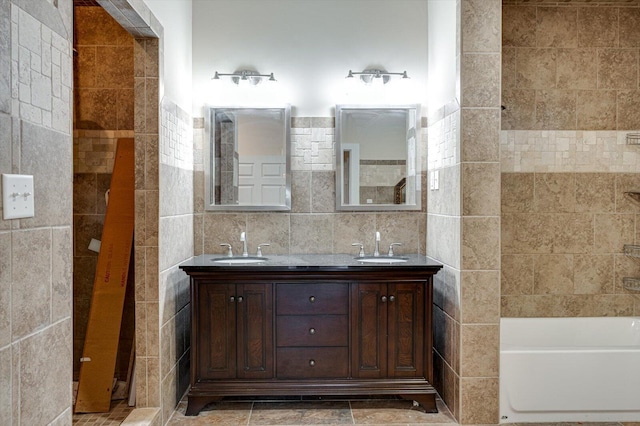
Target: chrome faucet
<point>391,248</point>
<point>243,239</point>
<point>259,251</point>
<point>376,252</point>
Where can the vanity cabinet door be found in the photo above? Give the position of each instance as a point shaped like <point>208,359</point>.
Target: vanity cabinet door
<point>236,331</point>
<point>388,330</point>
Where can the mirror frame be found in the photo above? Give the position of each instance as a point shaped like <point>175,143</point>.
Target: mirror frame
<point>209,161</point>
<point>410,108</point>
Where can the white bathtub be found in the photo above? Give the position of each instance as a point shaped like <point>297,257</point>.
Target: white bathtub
<point>570,369</point>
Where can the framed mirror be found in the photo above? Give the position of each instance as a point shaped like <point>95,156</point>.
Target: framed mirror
<point>247,158</point>
<point>377,157</point>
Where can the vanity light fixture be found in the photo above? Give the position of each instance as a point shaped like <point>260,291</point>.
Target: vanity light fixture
<point>245,76</point>
<point>371,76</point>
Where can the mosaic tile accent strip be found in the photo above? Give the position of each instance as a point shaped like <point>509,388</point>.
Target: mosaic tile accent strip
<point>176,126</point>
<point>567,151</point>
<point>443,142</point>
<point>41,72</point>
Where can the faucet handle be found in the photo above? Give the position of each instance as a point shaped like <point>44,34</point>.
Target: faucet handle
<point>391,248</point>
<point>259,251</point>
<point>361,254</point>
<point>229,249</point>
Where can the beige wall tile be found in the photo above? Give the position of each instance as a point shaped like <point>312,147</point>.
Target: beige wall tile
<point>553,274</point>
<point>626,182</point>
<point>446,200</point>
<point>518,26</point>
<point>398,228</point>
<point>597,26</point>
<point>612,232</point>
<point>517,191</point>
<point>482,29</point>
<point>480,134</point>
<point>596,110</point>
<point>151,220</point>
<point>593,274</point>
<point>480,349</point>
<point>595,192</point>
<point>352,228</point>
<point>577,69</point>
<point>323,192</point>
<point>517,274</point>
<point>555,109</point>
<point>480,298</point>
<point>628,109</point>
<point>31,290</point>
<point>481,199</point>
<point>61,274</point>
<point>268,228</point>
<point>198,192</point>
<point>223,229</point>
<point>555,192</point>
<point>544,233</point>
<point>536,68</point>
<point>629,21</point>
<point>444,239</point>
<point>151,271</point>
<point>301,191</point>
<point>618,69</point>
<point>624,266</point>
<point>198,234</point>
<point>178,230</point>
<point>557,27</point>
<point>520,109</point>
<point>5,290</point>
<point>6,403</point>
<point>508,68</point>
<point>311,234</point>
<point>479,403</point>
<point>480,80</point>
<point>480,243</point>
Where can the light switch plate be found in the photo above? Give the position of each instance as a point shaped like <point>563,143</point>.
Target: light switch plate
<point>17,196</point>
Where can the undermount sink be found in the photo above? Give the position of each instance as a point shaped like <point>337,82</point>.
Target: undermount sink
<point>239,260</point>
<point>382,259</point>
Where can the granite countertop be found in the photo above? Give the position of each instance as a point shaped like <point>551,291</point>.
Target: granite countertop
<point>325,262</point>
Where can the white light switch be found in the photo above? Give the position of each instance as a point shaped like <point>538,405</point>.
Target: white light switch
<point>17,196</point>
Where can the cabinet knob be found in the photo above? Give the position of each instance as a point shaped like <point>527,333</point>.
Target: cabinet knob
<point>384,299</point>
<point>232,299</point>
<point>240,299</point>
<point>312,330</point>
<point>312,362</point>
<point>312,299</point>
<point>392,298</point>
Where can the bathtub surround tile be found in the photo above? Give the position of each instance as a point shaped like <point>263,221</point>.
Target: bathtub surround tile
<point>508,68</point>
<point>612,231</point>
<point>555,109</point>
<point>480,80</point>
<point>593,274</point>
<point>517,192</point>
<point>553,274</point>
<point>597,26</point>
<point>557,27</point>
<point>618,69</point>
<point>481,242</point>
<point>628,109</point>
<point>480,200</point>
<point>517,276</point>
<point>595,192</point>
<point>536,68</point>
<point>577,69</point>
<point>480,134</point>
<point>520,109</point>
<point>596,110</point>
<point>554,192</point>
<point>483,31</point>
<point>624,266</point>
<point>518,26</point>
<point>629,22</point>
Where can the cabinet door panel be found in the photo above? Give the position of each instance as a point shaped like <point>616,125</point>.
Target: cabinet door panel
<point>255,331</point>
<point>369,315</point>
<point>217,340</point>
<point>405,330</point>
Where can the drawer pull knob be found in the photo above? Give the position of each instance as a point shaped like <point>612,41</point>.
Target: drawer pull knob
<point>240,299</point>
<point>392,298</point>
<point>312,330</point>
<point>232,299</point>
<point>312,363</point>
<point>384,299</point>
<point>312,299</point>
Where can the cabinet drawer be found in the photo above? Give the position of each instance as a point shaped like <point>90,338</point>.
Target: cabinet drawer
<point>303,363</point>
<point>312,330</point>
<point>305,299</point>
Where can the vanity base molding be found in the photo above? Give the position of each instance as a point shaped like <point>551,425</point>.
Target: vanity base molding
<point>418,390</point>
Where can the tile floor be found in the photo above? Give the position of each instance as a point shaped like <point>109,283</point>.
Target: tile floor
<point>119,411</point>
<point>387,411</point>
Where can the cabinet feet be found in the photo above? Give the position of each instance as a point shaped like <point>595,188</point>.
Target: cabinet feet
<point>428,401</point>
<point>197,403</point>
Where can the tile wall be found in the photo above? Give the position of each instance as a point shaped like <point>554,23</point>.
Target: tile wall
<point>464,221</point>
<point>570,88</point>
<point>35,253</point>
<point>313,226</point>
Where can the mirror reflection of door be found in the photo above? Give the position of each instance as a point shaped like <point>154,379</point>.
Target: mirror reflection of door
<point>351,173</point>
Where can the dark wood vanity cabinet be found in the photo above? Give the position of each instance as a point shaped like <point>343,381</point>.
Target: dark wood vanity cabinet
<point>269,332</point>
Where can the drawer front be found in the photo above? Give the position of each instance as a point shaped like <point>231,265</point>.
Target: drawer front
<point>312,299</point>
<point>312,330</point>
<point>307,363</point>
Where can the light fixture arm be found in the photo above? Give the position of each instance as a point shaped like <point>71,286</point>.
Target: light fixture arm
<point>253,77</point>
<point>368,75</point>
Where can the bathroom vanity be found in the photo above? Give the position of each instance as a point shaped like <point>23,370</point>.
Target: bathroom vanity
<point>311,325</point>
